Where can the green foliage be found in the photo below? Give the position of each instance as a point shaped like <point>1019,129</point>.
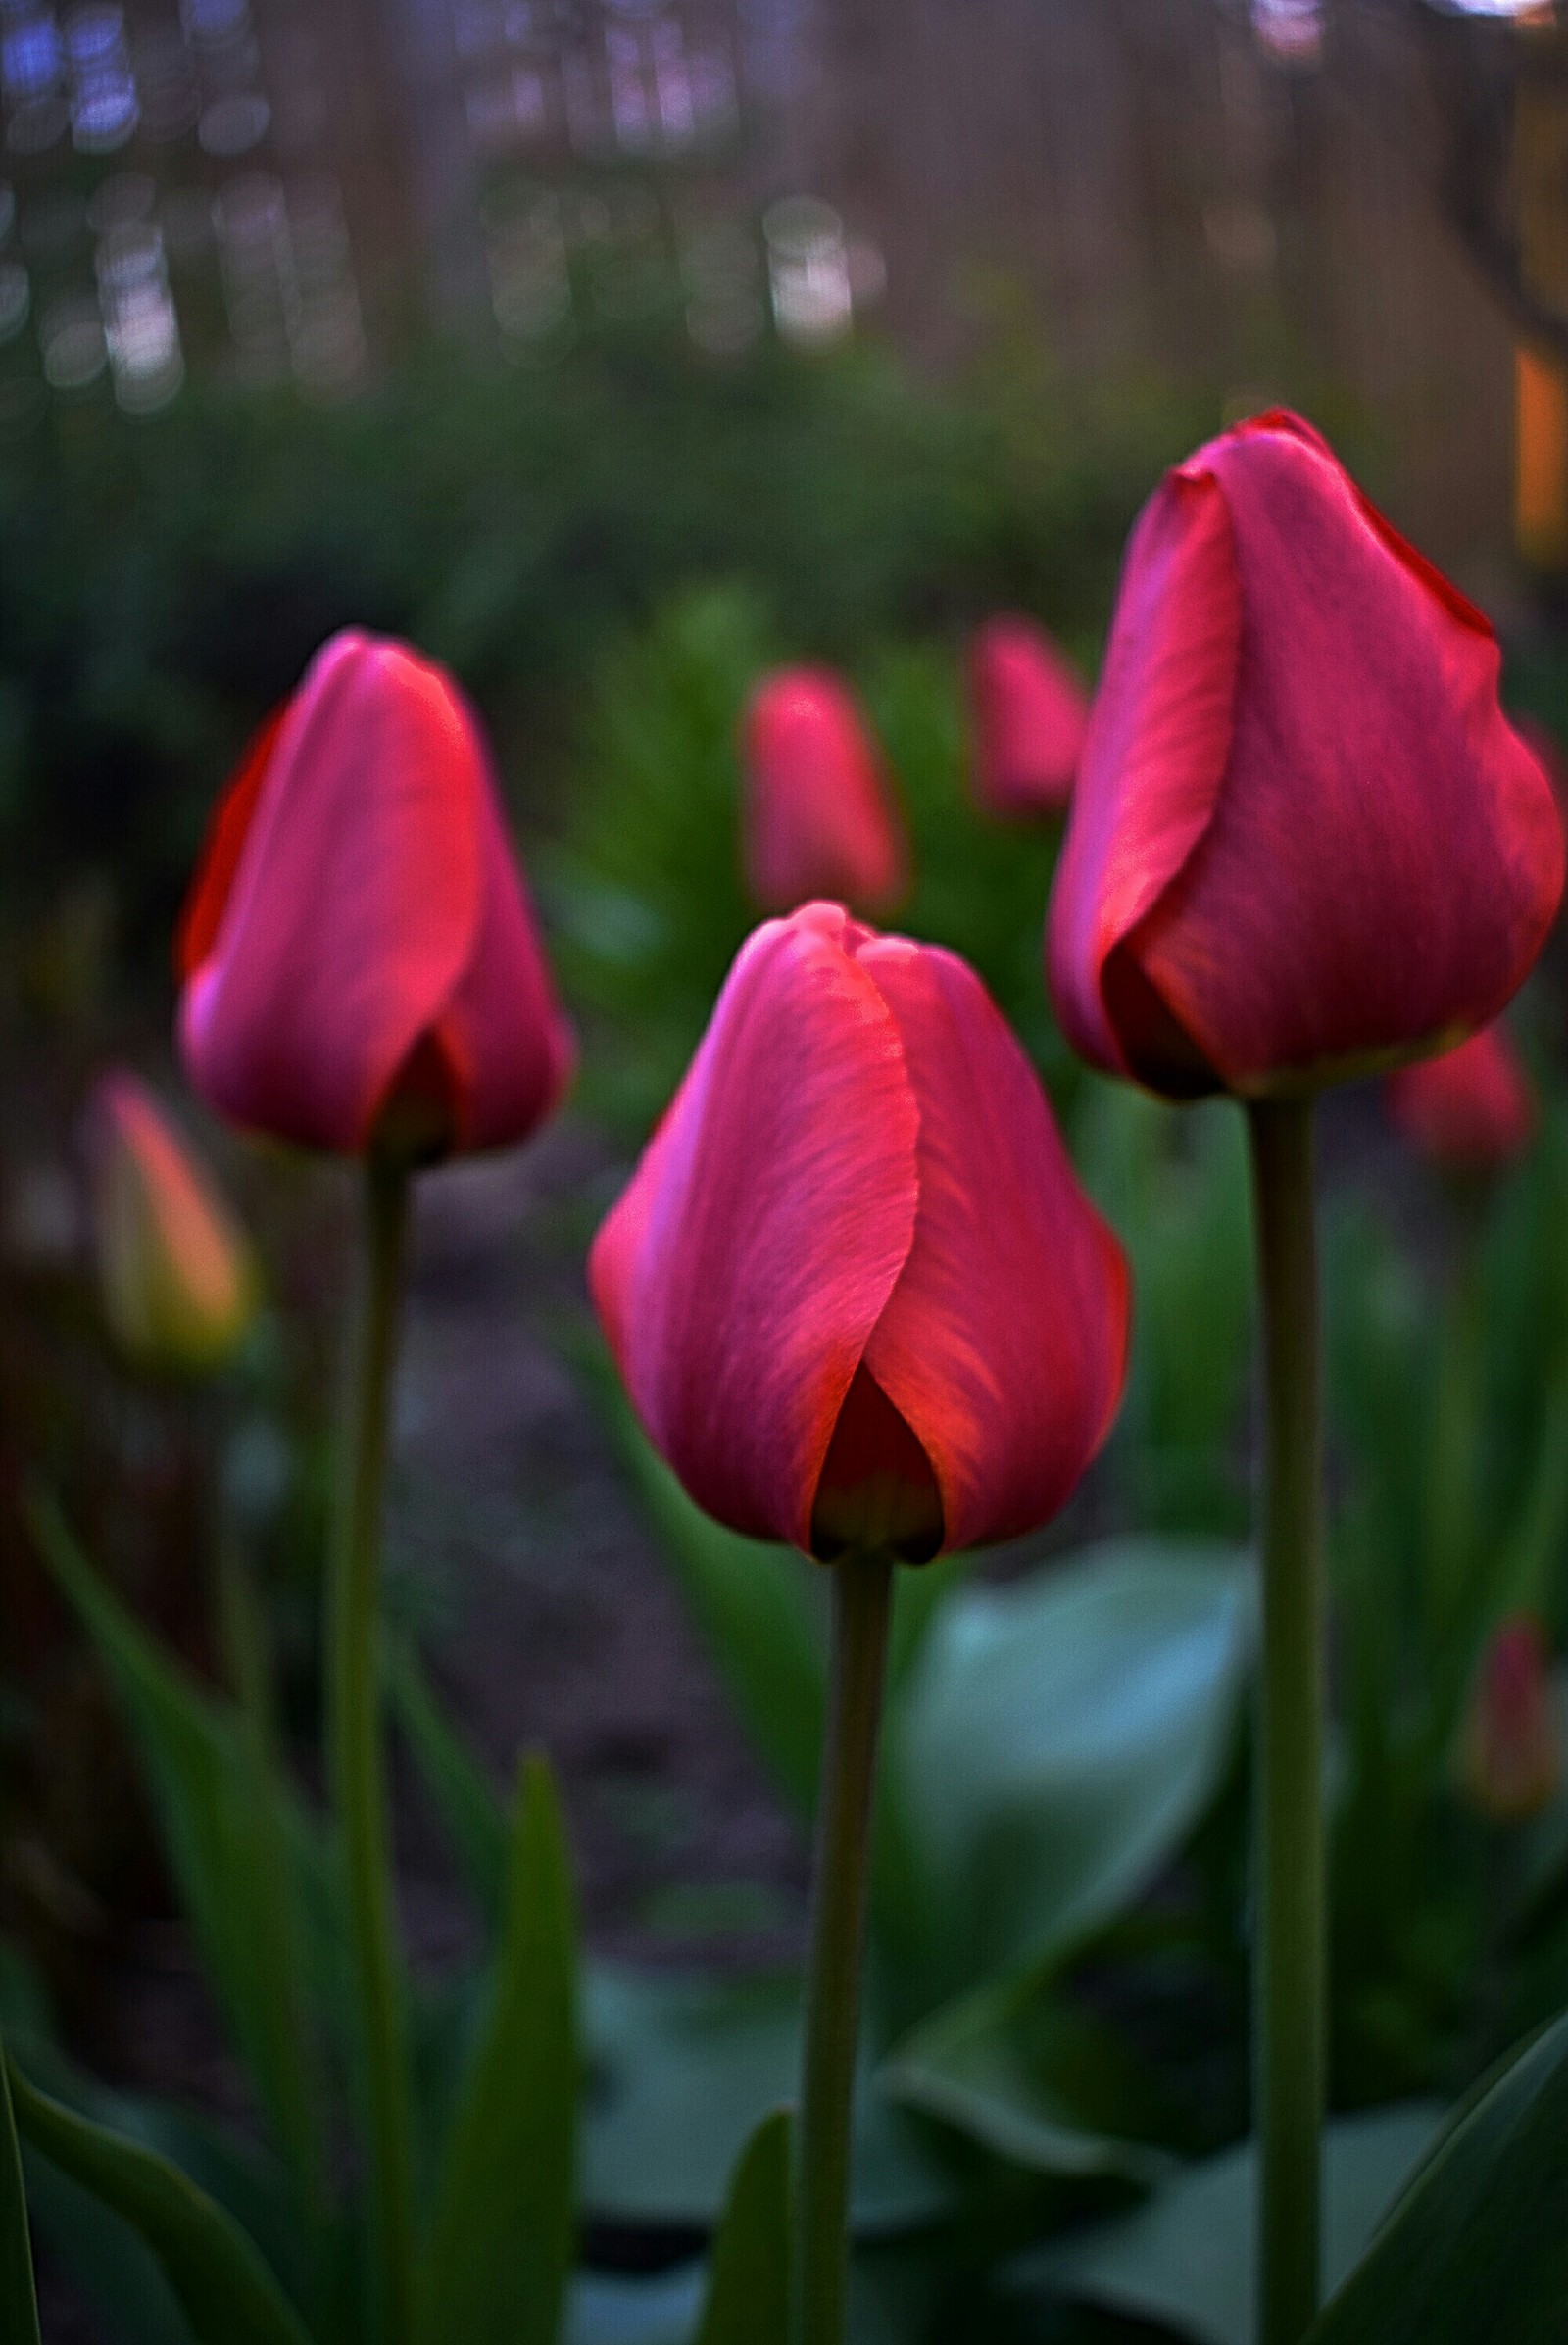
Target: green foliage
<point>1047,1746</point>
<point>1448,1413</point>
<point>167,582</point>
<point>748,2275</point>
<point>1060,1738</point>
<point>1187,2258</point>
<point>501,2236</point>
<point>645,884</point>
<point>224,2289</point>
<point>1034,2080</point>
<point>500,2247</point>
<point>1478,2244</point>
<point>463,1792</point>
<point>241,1894</point>
<point>19,2306</point>
<point>686,2065</point>
<point>1172,1182</point>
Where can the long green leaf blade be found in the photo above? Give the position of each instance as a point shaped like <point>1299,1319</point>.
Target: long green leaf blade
<point>1478,2244</point>
<point>18,2303</point>
<point>748,2275</point>
<point>499,2250</point>
<point>242,1908</point>
<point>474,1817</point>
<point>224,2288</point>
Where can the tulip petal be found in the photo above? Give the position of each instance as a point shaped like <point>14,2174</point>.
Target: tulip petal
<point>1004,1344</point>
<point>354,902</point>
<point>1156,755</point>
<point>203,912</point>
<point>1386,856</point>
<point>741,1273</point>
<point>508,1044</point>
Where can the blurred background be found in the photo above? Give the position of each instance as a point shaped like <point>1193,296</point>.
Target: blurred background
<point>613,350</point>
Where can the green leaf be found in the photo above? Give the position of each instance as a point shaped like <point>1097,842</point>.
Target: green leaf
<point>663,2310</point>
<point>224,2289</point>
<point>474,1817</point>
<point>1035,2082</point>
<point>748,2300</point>
<point>1478,2244</point>
<point>116,2274</point>
<point>684,2069</point>
<point>1062,1735</point>
<point>499,2250</point>
<point>111,2267</point>
<point>1187,2258</point>
<point>242,1907</point>
<point>18,2304</point>
<point>1173,1180</point>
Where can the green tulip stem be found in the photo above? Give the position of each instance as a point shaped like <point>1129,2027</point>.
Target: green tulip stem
<point>353,1743</point>
<point>863,1589</point>
<point>296,2111</point>
<point>1289,1957</point>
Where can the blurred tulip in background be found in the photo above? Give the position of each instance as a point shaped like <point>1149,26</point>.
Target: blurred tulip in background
<point>818,814</point>
<point>1472,1111</point>
<point>1028,714</point>
<point>176,1271</point>
<point>1511,1755</point>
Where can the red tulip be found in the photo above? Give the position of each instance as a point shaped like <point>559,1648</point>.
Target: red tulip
<point>176,1274</point>
<point>358,941</point>
<point>1028,713</point>
<point>1546,751</point>
<point>1472,1109</point>
<point>1303,839</point>
<point>819,817</point>
<point>1511,1748</point>
<point>855,1291</point>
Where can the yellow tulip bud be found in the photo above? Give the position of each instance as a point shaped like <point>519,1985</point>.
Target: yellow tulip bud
<point>176,1271</point>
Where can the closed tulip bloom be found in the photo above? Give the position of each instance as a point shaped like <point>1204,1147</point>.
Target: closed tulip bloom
<point>1544,747</point>
<point>1305,841</point>
<point>818,814</point>
<point>1511,1749</point>
<point>1472,1111</point>
<point>175,1272</point>
<point>1028,714</point>
<point>358,950</point>
<point>855,1292</point>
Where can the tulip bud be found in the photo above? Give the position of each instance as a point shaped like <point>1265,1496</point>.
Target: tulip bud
<point>853,1288</point>
<point>175,1272</point>
<point>818,814</point>
<point>1472,1111</point>
<point>1028,713</point>
<point>1512,1745</point>
<point>358,957</point>
<point>1305,841</point>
